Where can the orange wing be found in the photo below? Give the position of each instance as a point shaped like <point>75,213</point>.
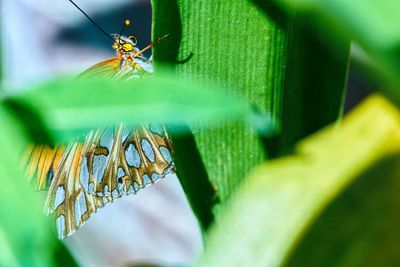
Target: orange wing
<point>43,161</point>
<point>115,68</point>
<point>107,69</point>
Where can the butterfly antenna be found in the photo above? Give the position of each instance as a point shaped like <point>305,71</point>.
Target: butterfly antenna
<point>126,23</point>
<point>151,45</point>
<point>92,21</point>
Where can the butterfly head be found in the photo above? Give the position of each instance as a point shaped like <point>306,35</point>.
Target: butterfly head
<point>124,44</point>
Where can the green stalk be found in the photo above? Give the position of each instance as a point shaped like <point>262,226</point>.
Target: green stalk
<point>262,55</point>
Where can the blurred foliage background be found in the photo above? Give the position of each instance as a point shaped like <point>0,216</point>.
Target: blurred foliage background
<point>256,93</point>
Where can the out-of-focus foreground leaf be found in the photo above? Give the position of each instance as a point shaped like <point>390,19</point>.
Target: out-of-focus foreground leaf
<point>69,108</point>
<point>372,24</point>
<point>264,57</point>
<point>333,203</point>
<point>26,237</point>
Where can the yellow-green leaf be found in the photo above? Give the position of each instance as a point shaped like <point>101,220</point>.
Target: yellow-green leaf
<point>333,203</point>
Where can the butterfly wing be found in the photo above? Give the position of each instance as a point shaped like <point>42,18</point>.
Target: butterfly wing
<point>67,199</point>
<point>106,69</point>
<point>111,163</point>
<point>43,161</point>
<point>115,68</point>
<point>125,159</point>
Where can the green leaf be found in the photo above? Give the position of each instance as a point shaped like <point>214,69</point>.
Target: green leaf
<point>333,203</point>
<point>26,237</point>
<point>272,60</point>
<point>207,42</point>
<point>69,108</point>
<point>372,24</point>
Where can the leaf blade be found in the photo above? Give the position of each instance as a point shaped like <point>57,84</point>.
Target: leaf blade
<point>72,107</point>
<point>281,199</point>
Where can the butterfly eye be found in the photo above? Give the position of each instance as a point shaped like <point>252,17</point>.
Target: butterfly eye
<point>133,38</point>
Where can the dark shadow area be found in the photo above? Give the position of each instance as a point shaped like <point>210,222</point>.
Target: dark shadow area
<point>359,87</point>
<point>315,82</point>
<point>270,145</point>
<point>163,23</point>
<point>63,258</point>
<point>30,122</point>
<point>194,178</point>
<point>273,11</point>
<point>360,227</point>
<point>185,60</point>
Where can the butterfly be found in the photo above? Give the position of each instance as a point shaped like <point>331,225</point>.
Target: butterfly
<point>83,177</point>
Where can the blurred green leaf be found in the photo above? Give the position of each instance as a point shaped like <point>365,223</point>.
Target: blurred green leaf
<point>372,24</point>
<point>333,203</point>
<point>26,237</point>
<point>69,108</point>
